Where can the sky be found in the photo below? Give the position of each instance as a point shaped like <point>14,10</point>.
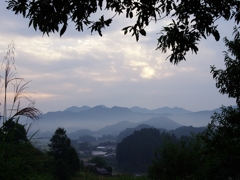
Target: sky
<point>81,68</point>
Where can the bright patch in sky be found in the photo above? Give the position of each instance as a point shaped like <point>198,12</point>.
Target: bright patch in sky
<point>148,73</point>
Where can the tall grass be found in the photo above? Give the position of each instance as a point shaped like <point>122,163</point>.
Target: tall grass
<point>13,135</point>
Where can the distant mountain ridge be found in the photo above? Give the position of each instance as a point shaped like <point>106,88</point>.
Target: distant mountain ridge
<point>101,118</point>
<point>90,118</point>
<point>163,110</point>
<point>156,122</point>
<point>77,109</point>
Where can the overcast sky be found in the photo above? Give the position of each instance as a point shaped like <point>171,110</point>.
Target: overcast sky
<point>83,69</point>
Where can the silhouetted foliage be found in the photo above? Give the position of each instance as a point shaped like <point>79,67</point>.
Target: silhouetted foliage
<point>13,132</point>
<point>187,131</point>
<point>228,80</point>
<point>67,160</point>
<point>130,131</point>
<point>214,153</point>
<point>18,158</point>
<point>59,144</point>
<point>61,171</point>
<point>176,160</point>
<point>23,161</point>
<point>191,20</point>
<point>74,143</point>
<point>109,169</point>
<point>221,150</point>
<point>136,151</point>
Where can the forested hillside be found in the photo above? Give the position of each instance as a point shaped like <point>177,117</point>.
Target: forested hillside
<point>136,152</point>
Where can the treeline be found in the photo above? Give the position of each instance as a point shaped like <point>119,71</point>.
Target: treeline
<point>136,152</point>
<point>181,131</point>
<point>85,142</point>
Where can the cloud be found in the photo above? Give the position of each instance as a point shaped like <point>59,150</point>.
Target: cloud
<point>84,69</point>
<point>135,63</point>
<point>84,90</point>
<point>43,96</point>
<point>187,69</point>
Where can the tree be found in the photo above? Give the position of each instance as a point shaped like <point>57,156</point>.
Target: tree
<point>192,20</point>
<point>176,160</point>
<point>73,160</point>
<point>217,147</point>
<point>13,132</point>
<point>221,139</point>
<point>135,152</point>
<point>221,146</point>
<point>67,160</point>
<point>59,144</point>
<point>228,80</point>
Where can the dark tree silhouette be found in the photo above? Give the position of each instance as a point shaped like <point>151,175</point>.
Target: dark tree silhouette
<point>65,155</point>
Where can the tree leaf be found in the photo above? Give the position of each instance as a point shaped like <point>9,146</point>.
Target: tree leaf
<point>142,32</point>
<point>63,30</point>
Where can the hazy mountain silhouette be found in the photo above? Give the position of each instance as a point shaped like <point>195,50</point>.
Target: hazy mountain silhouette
<point>92,118</point>
<point>165,110</point>
<point>128,131</point>
<point>200,118</point>
<point>95,118</point>
<point>77,109</point>
<point>115,129</point>
<point>156,122</point>
<point>161,122</point>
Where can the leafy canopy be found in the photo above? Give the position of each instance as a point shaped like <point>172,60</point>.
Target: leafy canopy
<point>215,153</point>
<point>192,20</point>
<point>228,80</point>
<point>59,143</point>
<point>67,160</point>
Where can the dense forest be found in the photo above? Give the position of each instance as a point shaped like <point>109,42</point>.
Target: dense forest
<point>135,152</point>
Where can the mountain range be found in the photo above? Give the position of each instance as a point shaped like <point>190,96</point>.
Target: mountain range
<point>105,120</point>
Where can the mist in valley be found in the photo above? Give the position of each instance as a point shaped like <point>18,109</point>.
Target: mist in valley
<point>102,120</point>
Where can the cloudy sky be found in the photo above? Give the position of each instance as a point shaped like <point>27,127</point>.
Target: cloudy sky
<point>83,69</point>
